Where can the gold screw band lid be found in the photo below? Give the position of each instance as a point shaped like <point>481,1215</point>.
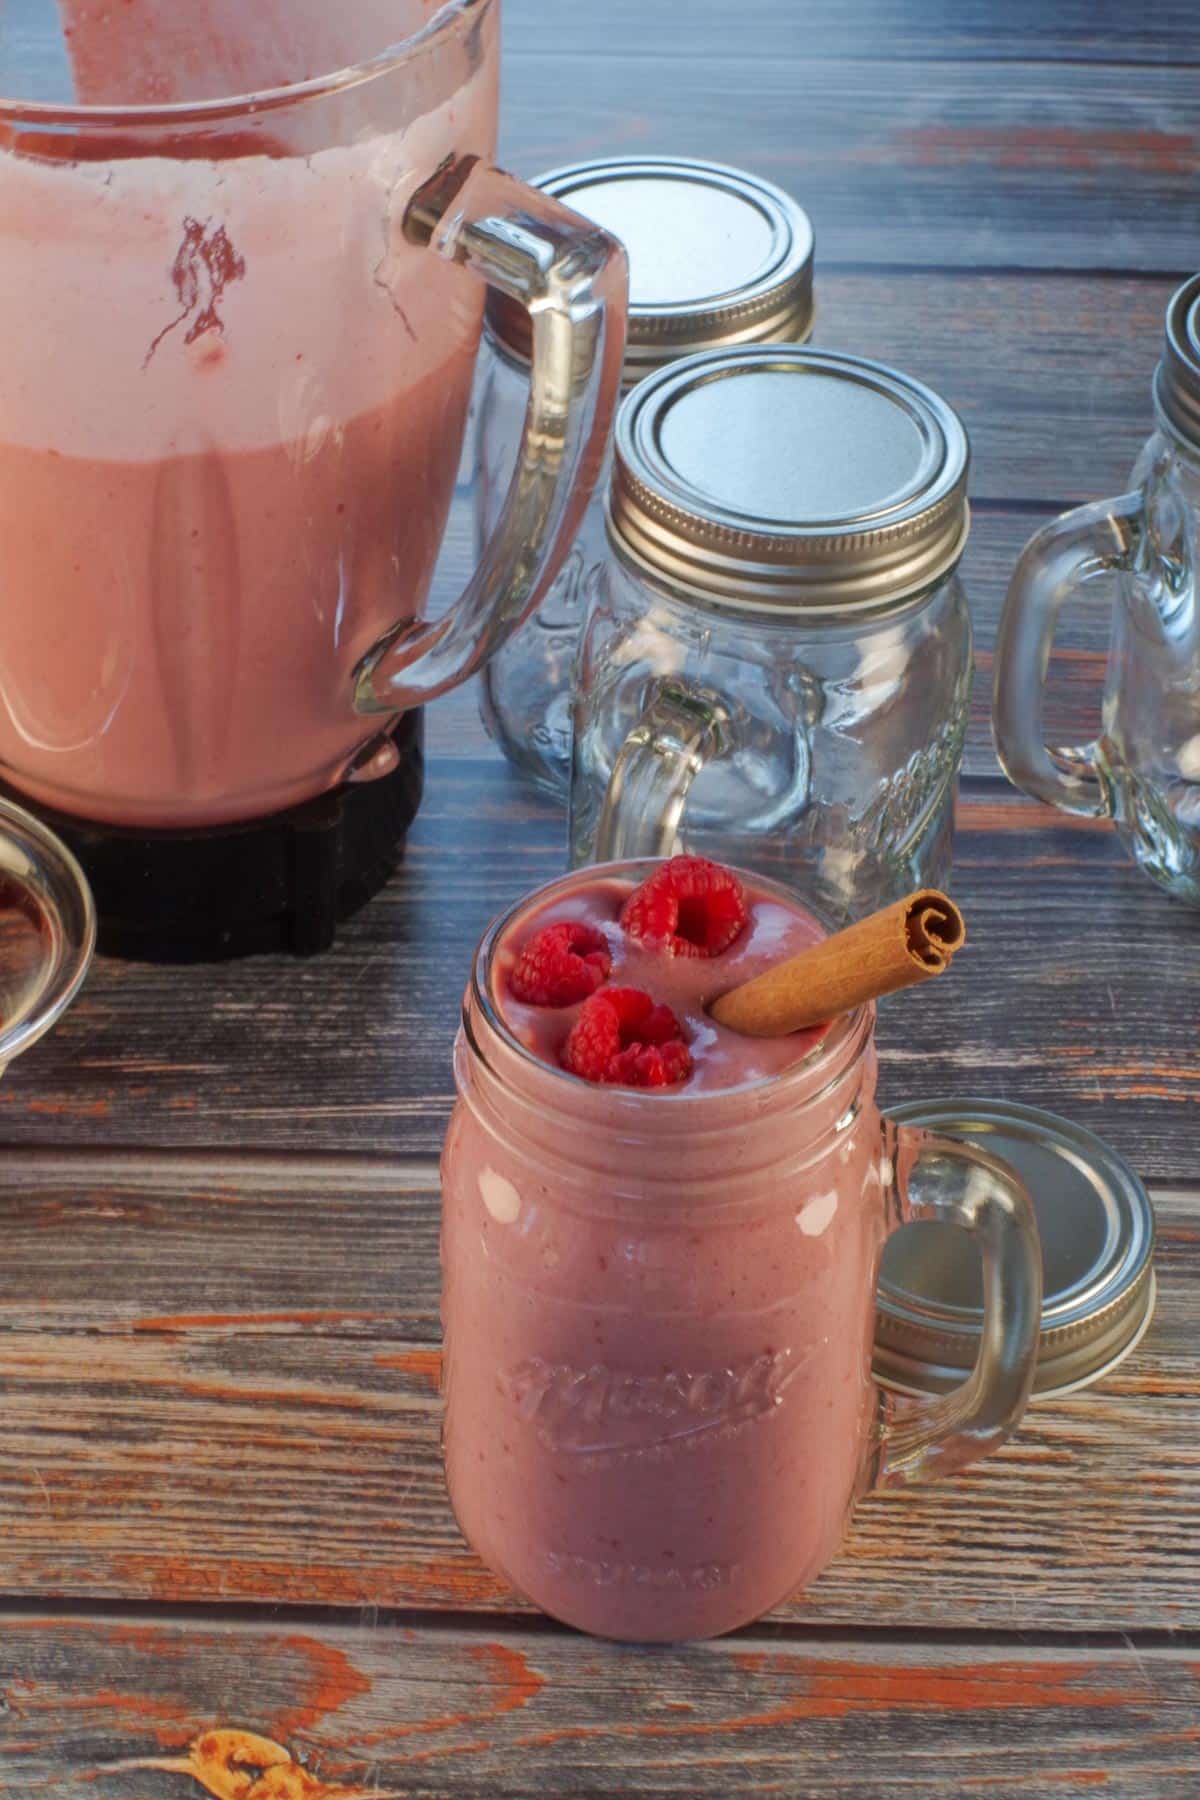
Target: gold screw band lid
<point>716,256</point>
<point>1096,1226</point>
<point>776,477</point>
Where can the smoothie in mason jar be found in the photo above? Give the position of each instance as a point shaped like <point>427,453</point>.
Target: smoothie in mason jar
<point>660,1247</point>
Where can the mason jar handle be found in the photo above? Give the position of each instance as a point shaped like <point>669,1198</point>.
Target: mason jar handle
<point>572,277</point>
<point>680,729</point>
<point>940,1178</point>
<point>1060,558</point>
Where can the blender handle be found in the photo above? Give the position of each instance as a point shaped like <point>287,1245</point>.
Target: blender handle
<point>680,729</point>
<point>1071,550</point>
<point>573,279</point>
<point>957,1183</point>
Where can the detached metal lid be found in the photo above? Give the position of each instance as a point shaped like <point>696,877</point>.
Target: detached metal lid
<point>716,256</point>
<point>1097,1230</point>
<point>777,477</point>
<point>1177,379</point>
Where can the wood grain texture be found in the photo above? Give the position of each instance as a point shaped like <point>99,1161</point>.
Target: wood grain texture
<point>220,1383</point>
<point>501,1714</point>
<point>1051,374</point>
<point>1059,1016</point>
<point>1165,31</point>
<point>958,164</point>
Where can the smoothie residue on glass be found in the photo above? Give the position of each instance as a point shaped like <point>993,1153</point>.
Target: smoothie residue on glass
<point>769,930</point>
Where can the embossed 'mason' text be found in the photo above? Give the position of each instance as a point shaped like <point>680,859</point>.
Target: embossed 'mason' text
<point>600,1411</point>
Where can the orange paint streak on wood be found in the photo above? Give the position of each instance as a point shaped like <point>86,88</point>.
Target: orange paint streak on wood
<point>1146,1091</point>
<point>1181,1384</point>
<point>180,1322</point>
<point>997,1688</point>
<point>423,1365</point>
<point>836,1690</point>
<point>1085,659</point>
<point>1021,816</point>
<point>1053,147</point>
<point>73,1109</point>
<point>459,1585</point>
<point>174,1578</point>
<point>516,1685</point>
<point>1171,1071</point>
<point>235,1393</point>
<point>163,1720</point>
<point>482,1747</point>
<point>333,1683</point>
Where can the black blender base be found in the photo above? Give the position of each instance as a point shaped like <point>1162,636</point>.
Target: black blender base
<point>282,883</point>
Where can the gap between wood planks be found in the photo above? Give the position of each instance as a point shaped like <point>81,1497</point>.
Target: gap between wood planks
<point>27,1609</point>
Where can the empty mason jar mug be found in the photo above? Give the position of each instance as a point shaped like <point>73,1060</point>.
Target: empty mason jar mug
<point>1143,771</point>
<point>777,662</point>
<point>717,257</point>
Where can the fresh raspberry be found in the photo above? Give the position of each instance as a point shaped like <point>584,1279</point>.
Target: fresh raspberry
<point>621,1037</point>
<point>688,907</point>
<point>560,965</point>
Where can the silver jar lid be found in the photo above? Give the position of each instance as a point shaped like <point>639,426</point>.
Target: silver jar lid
<point>1097,1230</point>
<point>716,256</point>
<point>774,477</point>
<point>1177,379</point>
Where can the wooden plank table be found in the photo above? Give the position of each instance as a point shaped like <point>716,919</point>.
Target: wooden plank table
<point>221,1506</point>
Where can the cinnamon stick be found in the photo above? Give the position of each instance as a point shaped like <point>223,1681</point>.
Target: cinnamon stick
<point>897,948</point>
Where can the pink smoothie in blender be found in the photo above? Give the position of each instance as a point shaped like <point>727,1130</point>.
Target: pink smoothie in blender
<point>246,245</point>
<point>229,441</point>
<point>660,1248</point>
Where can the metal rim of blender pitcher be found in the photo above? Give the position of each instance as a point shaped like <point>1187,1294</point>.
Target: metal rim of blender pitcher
<point>451,15</point>
<point>36,861</point>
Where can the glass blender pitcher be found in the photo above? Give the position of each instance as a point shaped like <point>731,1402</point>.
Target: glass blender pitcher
<point>240,338</point>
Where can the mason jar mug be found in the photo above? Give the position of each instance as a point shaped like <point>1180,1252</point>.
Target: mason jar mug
<point>659,1310</point>
<point>777,662</point>
<point>1143,771</point>
<point>716,257</point>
